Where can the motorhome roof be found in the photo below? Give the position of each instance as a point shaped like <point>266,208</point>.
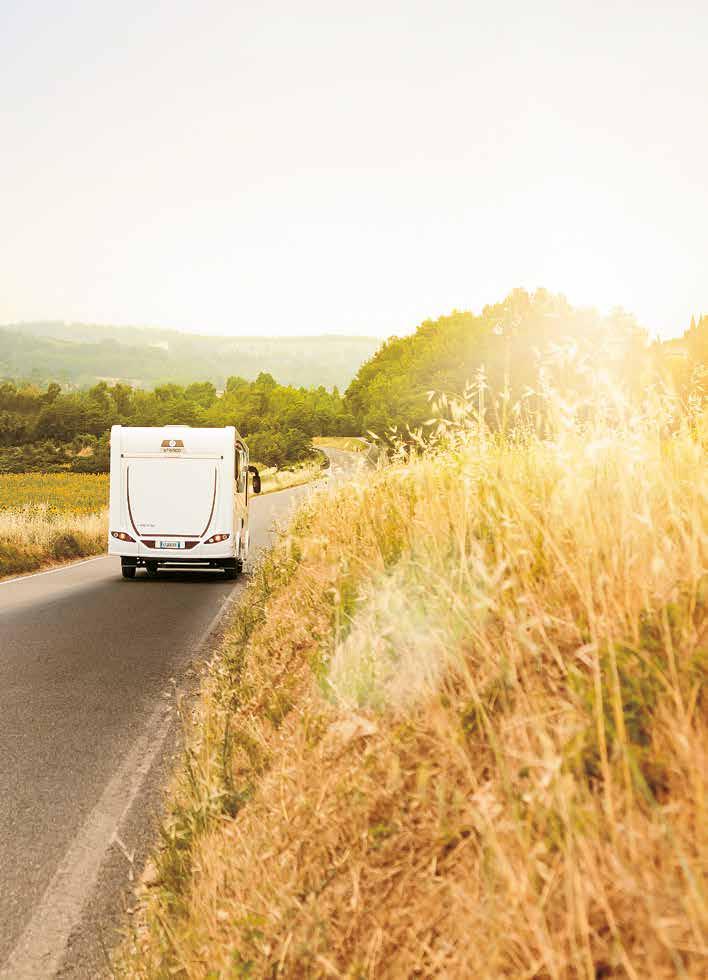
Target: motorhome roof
<point>149,439</point>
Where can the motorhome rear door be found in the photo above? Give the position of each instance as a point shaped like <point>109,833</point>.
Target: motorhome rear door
<point>171,497</point>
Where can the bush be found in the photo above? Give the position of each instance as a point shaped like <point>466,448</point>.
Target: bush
<point>274,447</point>
<point>15,560</point>
<point>70,545</point>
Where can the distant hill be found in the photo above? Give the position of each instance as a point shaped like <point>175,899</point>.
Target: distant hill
<point>80,354</point>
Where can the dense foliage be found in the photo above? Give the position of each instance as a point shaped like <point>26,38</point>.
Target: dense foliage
<point>510,342</point>
<point>50,430</point>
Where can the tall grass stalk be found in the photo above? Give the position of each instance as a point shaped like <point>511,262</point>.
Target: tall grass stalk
<point>459,725</point>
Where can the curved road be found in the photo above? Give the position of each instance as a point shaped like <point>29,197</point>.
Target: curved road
<point>89,669</point>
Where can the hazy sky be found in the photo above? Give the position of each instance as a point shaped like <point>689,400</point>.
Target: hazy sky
<point>306,167</point>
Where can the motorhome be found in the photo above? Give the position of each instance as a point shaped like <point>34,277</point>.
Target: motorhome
<point>179,498</point>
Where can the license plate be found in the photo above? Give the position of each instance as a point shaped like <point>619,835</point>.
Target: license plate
<point>171,544</point>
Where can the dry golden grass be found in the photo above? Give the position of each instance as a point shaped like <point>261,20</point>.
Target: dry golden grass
<point>51,517</point>
<point>459,728</point>
<point>37,535</point>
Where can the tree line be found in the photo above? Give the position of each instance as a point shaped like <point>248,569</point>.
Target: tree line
<point>512,347</point>
<point>48,429</point>
<point>527,341</point>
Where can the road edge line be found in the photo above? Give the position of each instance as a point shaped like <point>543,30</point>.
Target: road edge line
<point>42,944</point>
<point>51,571</point>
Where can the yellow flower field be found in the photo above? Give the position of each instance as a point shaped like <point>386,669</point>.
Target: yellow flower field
<point>50,517</point>
<point>75,493</point>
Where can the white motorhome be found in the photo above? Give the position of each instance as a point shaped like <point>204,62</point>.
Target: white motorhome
<point>179,498</point>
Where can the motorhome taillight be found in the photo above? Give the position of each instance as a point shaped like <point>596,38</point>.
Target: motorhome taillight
<point>122,536</point>
<point>215,538</point>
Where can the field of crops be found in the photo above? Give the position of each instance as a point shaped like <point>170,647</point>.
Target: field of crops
<point>50,517</point>
<point>62,493</point>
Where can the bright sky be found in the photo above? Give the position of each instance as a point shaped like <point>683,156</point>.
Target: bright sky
<point>282,167</point>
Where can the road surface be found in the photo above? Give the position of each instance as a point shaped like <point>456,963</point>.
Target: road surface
<point>89,669</point>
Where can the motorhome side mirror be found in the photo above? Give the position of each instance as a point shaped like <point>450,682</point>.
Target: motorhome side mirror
<point>256,479</point>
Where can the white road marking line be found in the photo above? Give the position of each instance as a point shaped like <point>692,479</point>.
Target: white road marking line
<point>52,571</point>
<point>41,947</point>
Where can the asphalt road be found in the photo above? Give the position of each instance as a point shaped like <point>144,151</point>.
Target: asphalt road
<point>343,463</point>
<point>89,669</point>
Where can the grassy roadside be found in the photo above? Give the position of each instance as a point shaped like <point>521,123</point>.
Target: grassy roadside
<point>273,479</point>
<point>350,444</point>
<point>460,741</point>
<point>32,537</point>
<point>47,518</point>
